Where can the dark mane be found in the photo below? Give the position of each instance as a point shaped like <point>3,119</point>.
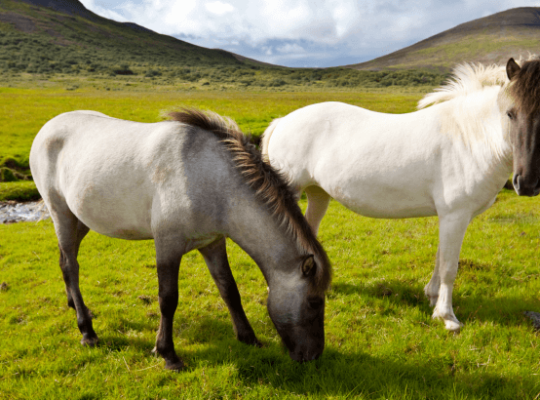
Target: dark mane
<point>269,185</point>
<point>525,87</point>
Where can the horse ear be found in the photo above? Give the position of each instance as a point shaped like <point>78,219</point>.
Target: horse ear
<point>308,266</point>
<point>512,68</point>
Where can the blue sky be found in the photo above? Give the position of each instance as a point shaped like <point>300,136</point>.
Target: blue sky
<point>302,33</point>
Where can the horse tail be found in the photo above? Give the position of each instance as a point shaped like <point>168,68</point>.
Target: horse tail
<point>265,140</point>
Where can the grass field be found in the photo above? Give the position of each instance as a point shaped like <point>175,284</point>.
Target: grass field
<point>381,342</point>
<point>24,111</point>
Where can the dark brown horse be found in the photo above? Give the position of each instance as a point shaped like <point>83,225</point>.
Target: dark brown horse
<point>187,184</point>
<point>523,110</point>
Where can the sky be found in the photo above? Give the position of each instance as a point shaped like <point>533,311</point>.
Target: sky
<point>302,33</point>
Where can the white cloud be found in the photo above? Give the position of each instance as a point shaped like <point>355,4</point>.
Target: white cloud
<point>218,7</point>
<point>298,29</point>
<point>291,48</point>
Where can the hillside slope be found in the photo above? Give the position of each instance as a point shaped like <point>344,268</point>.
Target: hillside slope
<point>62,36</point>
<point>492,39</point>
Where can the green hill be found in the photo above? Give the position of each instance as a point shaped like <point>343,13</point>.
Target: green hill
<point>40,39</point>
<point>47,36</point>
<point>492,39</point>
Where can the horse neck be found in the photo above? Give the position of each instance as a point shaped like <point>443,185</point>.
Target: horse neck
<point>476,123</point>
<point>261,235</point>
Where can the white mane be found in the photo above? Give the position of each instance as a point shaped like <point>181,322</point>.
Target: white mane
<point>471,119</point>
<point>468,78</point>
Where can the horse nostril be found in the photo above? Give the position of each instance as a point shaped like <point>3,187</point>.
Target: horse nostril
<point>516,182</point>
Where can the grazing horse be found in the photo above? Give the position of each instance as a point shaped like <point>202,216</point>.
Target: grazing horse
<point>448,160</point>
<point>187,184</point>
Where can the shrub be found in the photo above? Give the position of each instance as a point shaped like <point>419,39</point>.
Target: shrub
<point>123,70</point>
<point>152,73</point>
<point>7,175</point>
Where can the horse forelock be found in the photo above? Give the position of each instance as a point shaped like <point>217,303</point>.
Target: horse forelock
<point>525,88</point>
<point>270,187</point>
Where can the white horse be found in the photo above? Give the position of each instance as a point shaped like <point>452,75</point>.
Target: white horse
<point>448,160</point>
<point>187,184</point>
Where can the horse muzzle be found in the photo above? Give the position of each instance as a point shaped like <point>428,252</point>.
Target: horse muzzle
<point>526,187</point>
<point>303,357</point>
<point>304,352</point>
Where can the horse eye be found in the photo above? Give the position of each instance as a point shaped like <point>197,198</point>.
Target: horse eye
<point>510,115</point>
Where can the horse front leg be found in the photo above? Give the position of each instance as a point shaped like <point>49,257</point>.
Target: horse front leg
<point>432,288</point>
<point>168,264</point>
<point>215,256</point>
<point>451,233</point>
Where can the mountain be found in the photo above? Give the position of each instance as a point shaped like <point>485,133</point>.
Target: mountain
<point>50,36</point>
<point>71,7</point>
<point>492,39</point>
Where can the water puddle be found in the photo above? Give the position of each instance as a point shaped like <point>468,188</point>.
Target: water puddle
<point>11,212</point>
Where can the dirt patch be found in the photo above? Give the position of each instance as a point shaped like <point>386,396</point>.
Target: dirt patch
<point>4,287</point>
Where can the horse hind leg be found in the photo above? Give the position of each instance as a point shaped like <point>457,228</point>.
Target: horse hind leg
<point>70,232</point>
<point>318,201</point>
<point>82,231</point>
<point>215,256</point>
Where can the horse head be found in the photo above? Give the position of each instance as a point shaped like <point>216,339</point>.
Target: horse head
<point>522,110</point>
<point>296,307</point>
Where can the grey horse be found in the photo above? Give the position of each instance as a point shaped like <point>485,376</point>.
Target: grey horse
<point>187,183</point>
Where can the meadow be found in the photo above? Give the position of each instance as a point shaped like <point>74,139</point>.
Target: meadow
<point>381,342</point>
<point>24,110</point>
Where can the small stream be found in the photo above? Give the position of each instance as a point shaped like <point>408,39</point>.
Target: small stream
<point>11,212</point>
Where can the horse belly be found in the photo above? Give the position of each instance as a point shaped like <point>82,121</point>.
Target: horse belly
<point>119,208</point>
<point>376,201</point>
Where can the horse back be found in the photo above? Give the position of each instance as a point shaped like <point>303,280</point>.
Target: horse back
<point>121,178</point>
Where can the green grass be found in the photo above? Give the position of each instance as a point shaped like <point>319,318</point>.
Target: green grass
<point>20,191</point>
<point>24,111</point>
<point>381,342</point>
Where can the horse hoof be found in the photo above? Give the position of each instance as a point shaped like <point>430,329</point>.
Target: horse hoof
<point>174,366</point>
<point>250,340</point>
<point>255,343</point>
<point>451,323</point>
<point>90,342</point>
<point>453,326</point>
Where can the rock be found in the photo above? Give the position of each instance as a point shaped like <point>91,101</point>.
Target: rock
<point>535,317</point>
